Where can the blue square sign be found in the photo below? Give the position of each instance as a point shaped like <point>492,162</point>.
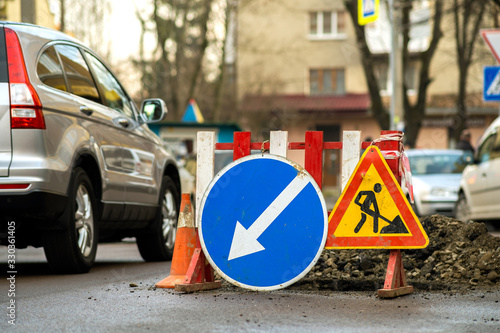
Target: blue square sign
<point>491,84</point>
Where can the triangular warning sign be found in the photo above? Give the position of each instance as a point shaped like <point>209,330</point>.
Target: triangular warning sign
<point>492,38</point>
<point>373,212</point>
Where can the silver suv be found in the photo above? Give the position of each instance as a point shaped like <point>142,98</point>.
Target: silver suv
<point>78,163</point>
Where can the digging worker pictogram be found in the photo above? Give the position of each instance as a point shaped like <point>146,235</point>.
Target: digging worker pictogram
<point>370,200</point>
<point>366,205</point>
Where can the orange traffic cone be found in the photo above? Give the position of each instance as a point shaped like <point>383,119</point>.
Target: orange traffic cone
<point>185,243</point>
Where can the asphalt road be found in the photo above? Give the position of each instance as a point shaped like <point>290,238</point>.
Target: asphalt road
<point>105,300</point>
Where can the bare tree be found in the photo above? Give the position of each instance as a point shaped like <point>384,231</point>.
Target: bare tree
<point>179,69</point>
<point>181,34</point>
<point>221,77</point>
<point>86,20</point>
<point>468,15</point>
<point>141,63</point>
<point>413,113</point>
<point>379,111</point>
<point>62,26</point>
<point>203,44</point>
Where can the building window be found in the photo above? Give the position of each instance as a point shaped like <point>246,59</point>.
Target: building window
<point>327,25</point>
<point>326,82</point>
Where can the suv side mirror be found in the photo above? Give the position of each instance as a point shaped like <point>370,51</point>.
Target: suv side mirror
<point>153,110</point>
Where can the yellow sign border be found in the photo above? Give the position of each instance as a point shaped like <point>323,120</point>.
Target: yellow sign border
<point>362,19</point>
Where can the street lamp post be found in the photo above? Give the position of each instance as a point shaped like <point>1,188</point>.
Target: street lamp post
<point>395,63</point>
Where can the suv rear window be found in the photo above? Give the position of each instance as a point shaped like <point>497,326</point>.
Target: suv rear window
<point>49,70</point>
<point>113,94</point>
<point>77,73</point>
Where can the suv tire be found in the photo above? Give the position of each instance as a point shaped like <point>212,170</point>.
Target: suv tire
<point>73,249</point>
<point>157,243</point>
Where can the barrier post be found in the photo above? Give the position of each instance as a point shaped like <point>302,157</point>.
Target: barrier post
<point>241,145</point>
<point>205,160</point>
<point>351,146</point>
<point>278,143</point>
<point>314,156</point>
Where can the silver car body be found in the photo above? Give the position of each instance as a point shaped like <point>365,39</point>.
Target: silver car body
<point>124,159</point>
<point>436,178</point>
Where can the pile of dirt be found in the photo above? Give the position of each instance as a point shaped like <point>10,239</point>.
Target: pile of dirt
<point>460,256</point>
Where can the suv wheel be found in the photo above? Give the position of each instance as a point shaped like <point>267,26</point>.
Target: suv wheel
<point>157,244</point>
<point>462,209</point>
<point>73,249</point>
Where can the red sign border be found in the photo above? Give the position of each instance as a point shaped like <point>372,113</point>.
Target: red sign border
<point>419,239</point>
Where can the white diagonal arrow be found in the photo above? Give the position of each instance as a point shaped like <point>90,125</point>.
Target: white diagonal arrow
<point>245,240</point>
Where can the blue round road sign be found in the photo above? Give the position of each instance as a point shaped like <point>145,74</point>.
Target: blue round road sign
<point>263,222</point>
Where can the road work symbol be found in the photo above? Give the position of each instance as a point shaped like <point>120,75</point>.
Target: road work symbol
<point>262,222</point>
<point>371,201</point>
<point>372,211</point>
<point>366,207</point>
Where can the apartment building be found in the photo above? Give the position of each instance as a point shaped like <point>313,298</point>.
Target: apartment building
<point>27,11</point>
<point>299,69</point>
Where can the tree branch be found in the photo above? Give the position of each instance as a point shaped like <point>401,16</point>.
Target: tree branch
<point>379,112</point>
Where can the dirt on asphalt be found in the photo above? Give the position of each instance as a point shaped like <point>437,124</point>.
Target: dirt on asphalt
<point>460,257</point>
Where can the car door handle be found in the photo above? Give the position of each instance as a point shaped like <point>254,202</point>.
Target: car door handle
<point>123,122</point>
<point>85,109</point>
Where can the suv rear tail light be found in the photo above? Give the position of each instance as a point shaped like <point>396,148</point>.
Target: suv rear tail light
<point>25,106</point>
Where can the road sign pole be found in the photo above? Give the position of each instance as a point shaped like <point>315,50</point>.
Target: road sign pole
<point>391,146</point>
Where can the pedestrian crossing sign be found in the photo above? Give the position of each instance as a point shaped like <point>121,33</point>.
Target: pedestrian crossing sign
<point>368,11</point>
<point>491,84</point>
<point>372,212</point>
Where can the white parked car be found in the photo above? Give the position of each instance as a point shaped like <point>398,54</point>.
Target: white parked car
<point>436,178</point>
<point>479,195</point>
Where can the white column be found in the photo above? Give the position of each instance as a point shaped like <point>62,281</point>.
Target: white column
<point>351,146</point>
<point>278,143</point>
<point>204,165</point>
